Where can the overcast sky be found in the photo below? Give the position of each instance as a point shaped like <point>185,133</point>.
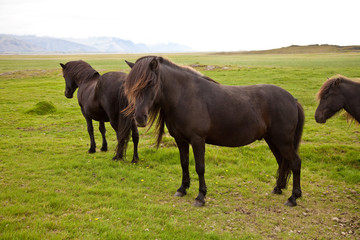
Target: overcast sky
<point>203,25</point>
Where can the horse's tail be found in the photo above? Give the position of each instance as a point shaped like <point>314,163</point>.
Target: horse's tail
<point>299,127</point>
<point>284,171</point>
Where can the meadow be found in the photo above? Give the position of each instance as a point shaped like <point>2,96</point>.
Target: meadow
<point>51,188</point>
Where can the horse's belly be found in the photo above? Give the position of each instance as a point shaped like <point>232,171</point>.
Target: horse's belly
<point>228,144</point>
<point>98,115</point>
<point>100,118</point>
<point>236,136</point>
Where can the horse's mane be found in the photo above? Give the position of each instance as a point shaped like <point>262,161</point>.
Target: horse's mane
<point>187,69</point>
<point>329,84</point>
<point>80,70</point>
<point>140,76</point>
<point>335,82</point>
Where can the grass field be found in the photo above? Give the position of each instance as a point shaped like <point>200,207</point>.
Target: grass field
<point>51,188</point>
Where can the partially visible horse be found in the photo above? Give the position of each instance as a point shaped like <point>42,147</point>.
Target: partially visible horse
<point>101,98</point>
<point>198,110</point>
<point>338,93</point>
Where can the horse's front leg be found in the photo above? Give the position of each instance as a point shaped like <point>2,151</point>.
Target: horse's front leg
<point>184,158</point>
<point>121,145</point>
<point>135,139</point>
<point>102,129</point>
<point>90,129</point>
<point>198,145</point>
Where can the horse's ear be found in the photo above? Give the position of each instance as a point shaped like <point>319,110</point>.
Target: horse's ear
<point>62,65</point>
<point>160,59</point>
<point>96,75</point>
<point>154,64</point>
<point>337,82</point>
<point>130,64</point>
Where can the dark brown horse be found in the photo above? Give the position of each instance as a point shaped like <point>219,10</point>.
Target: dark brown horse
<point>338,93</point>
<point>198,110</point>
<point>101,98</point>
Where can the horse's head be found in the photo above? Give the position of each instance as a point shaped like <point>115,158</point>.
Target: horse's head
<point>76,72</point>
<point>331,100</point>
<point>70,84</point>
<point>142,88</point>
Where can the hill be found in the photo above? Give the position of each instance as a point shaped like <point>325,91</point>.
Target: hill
<point>35,44</point>
<point>316,48</point>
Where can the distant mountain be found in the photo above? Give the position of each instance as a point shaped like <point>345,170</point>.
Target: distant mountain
<point>112,44</point>
<point>34,44</point>
<point>9,44</point>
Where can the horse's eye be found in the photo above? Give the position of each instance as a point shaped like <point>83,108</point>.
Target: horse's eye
<point>150,84</point>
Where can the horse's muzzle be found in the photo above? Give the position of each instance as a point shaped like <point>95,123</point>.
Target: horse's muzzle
<point>69,94</point>
<point>320,119</point>
<point>141,121</point>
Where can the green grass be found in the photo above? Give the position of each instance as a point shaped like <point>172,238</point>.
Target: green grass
<point>51,188</point>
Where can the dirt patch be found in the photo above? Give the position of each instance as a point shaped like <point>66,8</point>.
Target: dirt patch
<point>28,73</point>
<point>209,67</point>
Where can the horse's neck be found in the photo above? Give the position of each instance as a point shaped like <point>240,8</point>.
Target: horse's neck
<point>87,88</point>
<point>86,82</point>
<point>354,111</point>
<point>174,84</point>
<point>167,92</point>
<point>352,96</point>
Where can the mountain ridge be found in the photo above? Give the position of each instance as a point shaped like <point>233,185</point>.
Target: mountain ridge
<point>35,44</point>
<point>303,49</point>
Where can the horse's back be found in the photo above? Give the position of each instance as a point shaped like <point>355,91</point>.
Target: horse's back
<point>249,113</point>
<point>112,79</point>
<point>261,99</point>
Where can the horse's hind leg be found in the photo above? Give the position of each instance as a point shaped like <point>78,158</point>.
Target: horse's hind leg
<point>102,129</point>
<point>291,162</point>
<point>135,139</point>
<point>295,167</point>
<point>281,181</point>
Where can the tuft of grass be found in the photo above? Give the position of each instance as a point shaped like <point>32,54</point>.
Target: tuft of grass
<point>42,108</point>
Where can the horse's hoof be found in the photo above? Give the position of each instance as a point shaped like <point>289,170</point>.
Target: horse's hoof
<point>277,191</point>
<point>135,160</point>
<point>91,151</point>
<point>179,194</point>
<point>104,149</point>
<point>117,158</point>
<point>198,203</point>
<point>290,203</point>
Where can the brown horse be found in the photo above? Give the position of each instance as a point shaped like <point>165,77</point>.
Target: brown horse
<point>338,93</point>
<point>198,110</point>
<point>101,98</point>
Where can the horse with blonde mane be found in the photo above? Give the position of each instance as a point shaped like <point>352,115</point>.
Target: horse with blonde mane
<point>338,93</point>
